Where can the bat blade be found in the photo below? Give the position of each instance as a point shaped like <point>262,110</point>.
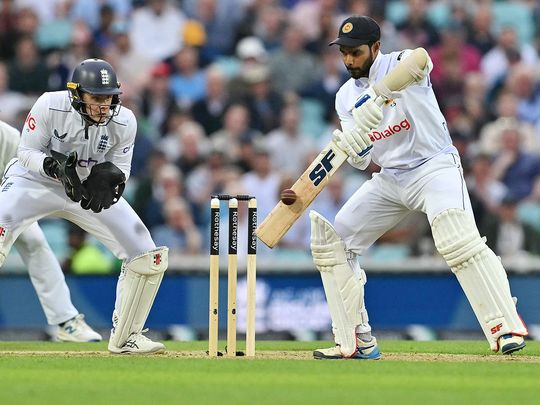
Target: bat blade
<point>307,187</point>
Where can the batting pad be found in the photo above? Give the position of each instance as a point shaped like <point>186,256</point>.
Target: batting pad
<point>480,274</point>
<point>344,292</point>
<point>143,276</point>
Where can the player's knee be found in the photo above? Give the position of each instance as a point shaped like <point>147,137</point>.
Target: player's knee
<point>31,242</point>
<point>342,226</point>
<point>150,263</point>
<point>456,237</point>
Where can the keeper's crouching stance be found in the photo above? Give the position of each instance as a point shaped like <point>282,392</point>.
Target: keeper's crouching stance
<point>73,161</point>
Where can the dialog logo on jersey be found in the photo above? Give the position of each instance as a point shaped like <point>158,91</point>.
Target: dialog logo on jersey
<point>392,129</point>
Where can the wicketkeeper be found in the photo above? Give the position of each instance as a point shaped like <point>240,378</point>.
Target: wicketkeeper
<point>73,161</point>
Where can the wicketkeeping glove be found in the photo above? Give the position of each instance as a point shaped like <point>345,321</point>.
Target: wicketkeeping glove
<point>66,172</point>
<point>104,186</point>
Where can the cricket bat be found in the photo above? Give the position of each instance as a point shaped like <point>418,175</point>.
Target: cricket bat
<point>320,171</point>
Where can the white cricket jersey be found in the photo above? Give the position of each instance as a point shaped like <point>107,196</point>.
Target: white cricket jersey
<point>413,129</point>
<point>9,141</point>
<point>54,125</point>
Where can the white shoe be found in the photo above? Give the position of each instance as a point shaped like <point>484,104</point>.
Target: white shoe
<point>137,343</point>
<point>77,330</point>
<point>510,343</point>
<point>364,351</point>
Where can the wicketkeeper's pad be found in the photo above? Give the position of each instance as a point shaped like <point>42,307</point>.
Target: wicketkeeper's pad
<point>142,278</point>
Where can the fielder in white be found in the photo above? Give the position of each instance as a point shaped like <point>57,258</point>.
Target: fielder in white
<point>73,160</point>
<point>43,267</point>
<point>420,171</point>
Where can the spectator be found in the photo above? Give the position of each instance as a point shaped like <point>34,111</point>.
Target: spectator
<point>56,33</point>
<point>491,134</point>
<point>291,67</point>
<point>123,57</point>
<point>479,29</point>
<point>324,90</point>
<point>85,257</point>
<point>188,82</point>
<point>264,103</point>
<point>28,73</point>
<point>19,22</point>
<point>157,100</point>
<point>269,26</point>
<point>219,19</point>
<point>508,235</point>
<point>485,192</point>
<point>209,111</point>
<point>187,146</point>
<point>103,35</point>
<point>156,29</point>
<point>288,147</point>
<point>523,82</point>
<point>262,182</point>
<point>12,103</point>
<point>508,52</point>
<point>518,170</point>
<point>251,56</point>
<point>178,232</point>
<point>145,184</point>
<point>206,180</point>
<point>167,185</point>
<point>235,131</point>
<point>416,29</point>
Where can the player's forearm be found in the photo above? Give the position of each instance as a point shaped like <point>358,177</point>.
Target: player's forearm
<point>412,69</point>
<point>32,159</point>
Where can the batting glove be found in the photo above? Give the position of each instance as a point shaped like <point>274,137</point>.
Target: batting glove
<point>368,113</point>
<point>355,143</point>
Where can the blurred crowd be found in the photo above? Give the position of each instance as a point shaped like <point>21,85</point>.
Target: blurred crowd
<point>237,96</point>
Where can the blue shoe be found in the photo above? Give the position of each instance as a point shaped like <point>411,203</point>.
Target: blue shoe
<point>510,343</point>
<point>364,351</point>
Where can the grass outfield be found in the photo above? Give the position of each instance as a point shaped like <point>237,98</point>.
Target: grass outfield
<point>441,372</point>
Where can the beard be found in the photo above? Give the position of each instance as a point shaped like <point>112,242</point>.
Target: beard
<point>362,71</point>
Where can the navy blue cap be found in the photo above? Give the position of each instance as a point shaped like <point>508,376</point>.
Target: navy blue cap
<point>356,31</point>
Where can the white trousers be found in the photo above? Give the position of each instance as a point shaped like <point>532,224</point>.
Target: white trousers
<point>389,196</point>
<point>23,201</point>
<point>46,275</point>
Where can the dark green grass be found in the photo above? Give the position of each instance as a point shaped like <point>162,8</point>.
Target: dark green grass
<point>470,374</point>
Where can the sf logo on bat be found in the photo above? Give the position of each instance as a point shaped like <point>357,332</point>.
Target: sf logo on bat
<point>321,170</point>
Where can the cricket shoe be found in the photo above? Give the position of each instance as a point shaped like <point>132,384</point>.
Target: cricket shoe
<point>137,343</point>
<point>364,351</point>
<point>510,343</point>
<point>77,330</point>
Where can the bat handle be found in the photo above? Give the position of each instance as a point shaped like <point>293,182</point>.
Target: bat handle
<point>379,100</point>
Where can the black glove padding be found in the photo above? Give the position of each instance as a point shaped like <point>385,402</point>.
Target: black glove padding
<point>104,186</point>
<point>66,172</point>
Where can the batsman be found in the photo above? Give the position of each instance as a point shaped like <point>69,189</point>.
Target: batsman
<point>406,135</point>
<point>73,160</point>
